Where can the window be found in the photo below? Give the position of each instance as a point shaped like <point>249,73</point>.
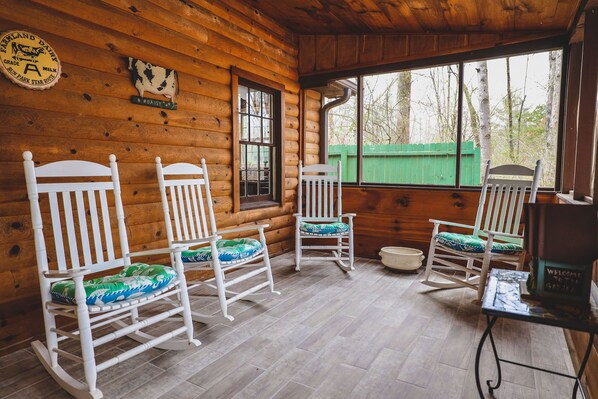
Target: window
<point>410,126</point>
<point>511,111</point>
<point>258,142</point>
<point>437,126</point>
<point>342,127</point>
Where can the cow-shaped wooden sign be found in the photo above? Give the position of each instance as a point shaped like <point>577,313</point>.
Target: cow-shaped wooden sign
<point>156,80</point>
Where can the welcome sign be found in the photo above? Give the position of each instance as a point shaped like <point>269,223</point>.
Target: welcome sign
<point>28,61</point>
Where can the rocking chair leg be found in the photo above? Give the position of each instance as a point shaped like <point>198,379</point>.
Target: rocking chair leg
<point>469,266</point>
<point>134,315</point>
<point>430,262</point>
<point>351,255</point>
<point>298,253</point>
<point>218,275</point>
<point>483,276</point>
<point>267,260</point>
<point>87,349</point>
<point>51,336</point>
<point>184,298</point>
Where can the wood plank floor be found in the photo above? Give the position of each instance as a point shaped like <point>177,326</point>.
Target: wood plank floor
<point>368,334</point>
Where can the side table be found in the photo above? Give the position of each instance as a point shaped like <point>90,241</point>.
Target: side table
<point>502,299</point>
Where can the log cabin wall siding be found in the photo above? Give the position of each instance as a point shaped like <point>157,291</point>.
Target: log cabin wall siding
<point>400,216</point>
<point>326,53</point>
<point>311,127</point>
<point>88,115</point>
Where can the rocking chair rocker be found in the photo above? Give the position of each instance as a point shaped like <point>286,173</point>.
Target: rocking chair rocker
<point>194,228</point>
<point>319,221</point>
<point>498,240</point>
<point>102,302</point>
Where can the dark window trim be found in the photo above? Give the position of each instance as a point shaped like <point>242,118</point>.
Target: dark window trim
<point>459,59</point>
<point>245,78</point>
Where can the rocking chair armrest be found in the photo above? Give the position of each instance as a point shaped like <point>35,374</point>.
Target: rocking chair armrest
<point>499,234</point>
<point>465,226</point>
<point>347,215</point>
<point>67,273</point>
<point>243,228</point>
<point>297,215</point>
<point>198,241</point>
<point>159,251</point>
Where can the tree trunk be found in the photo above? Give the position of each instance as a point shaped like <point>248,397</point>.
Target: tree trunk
<point>509,105</point>
<point>552,101</point>
<point>484,98</point>
<point>404,102</point>
<point>474,119</point>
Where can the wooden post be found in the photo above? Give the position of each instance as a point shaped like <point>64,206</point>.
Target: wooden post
<point>571,115</point>
<point>587,108</point>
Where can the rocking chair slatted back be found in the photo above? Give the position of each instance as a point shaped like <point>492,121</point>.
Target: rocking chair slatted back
<point>319,192</point>
<point>186,205</point>
<point>506,198</point>
<point>73,240</point>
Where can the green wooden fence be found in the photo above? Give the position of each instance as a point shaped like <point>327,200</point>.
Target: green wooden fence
<point>431,164</point>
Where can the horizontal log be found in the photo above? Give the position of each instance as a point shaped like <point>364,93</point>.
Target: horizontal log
<point>312,137</point>
<point>291,110</point>
<point>220,33</point>
<point>255,22</point>
<point>312,126</point>
<point>32,122</point>
<point>62,148</point>
<point>313,95</point>
<point>312,115</point>
<point>56,23</point>
<point>291,134</point>
<point>57,100</point>
<point>84,80</point>
<point>200,17</point>
<point>152,33</point>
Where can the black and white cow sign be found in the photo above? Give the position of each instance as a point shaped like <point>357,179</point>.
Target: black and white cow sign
<point>153,79</point>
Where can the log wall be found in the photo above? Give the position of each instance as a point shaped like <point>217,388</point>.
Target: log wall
<point>311,127</point>
<point>325,53</point>
<point>88,116</point>
<point>400,216</point>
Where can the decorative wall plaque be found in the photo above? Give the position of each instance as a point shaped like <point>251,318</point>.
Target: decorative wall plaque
<point>28,61</point>
<point>156,80</point>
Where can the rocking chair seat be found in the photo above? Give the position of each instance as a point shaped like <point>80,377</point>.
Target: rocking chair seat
<point>133,281</point>
<point>228,251</point>
<point>474,244</point>
<point>321,229</point>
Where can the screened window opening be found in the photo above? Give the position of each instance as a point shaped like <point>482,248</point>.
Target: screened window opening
<point>438,126</point>
<point>257,140</point>
<point>511,110</point>
<point>410,126</point>
<point>342,127</point>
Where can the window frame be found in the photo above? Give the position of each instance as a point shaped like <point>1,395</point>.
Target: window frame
<point>535,46</point>
<point>251,80</point>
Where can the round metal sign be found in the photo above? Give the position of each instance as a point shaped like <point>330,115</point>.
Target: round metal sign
<point>28,61</point>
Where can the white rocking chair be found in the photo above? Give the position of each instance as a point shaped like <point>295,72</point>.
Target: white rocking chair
<point>318,219</point>
<point>196,229</point>
<point>102,303</point>
<point>508,186</point>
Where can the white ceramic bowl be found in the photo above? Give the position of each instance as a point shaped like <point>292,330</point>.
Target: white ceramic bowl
<point>401,258</point>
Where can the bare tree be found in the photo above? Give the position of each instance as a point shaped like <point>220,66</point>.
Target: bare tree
<point>474,119</point>
<point>552,105</point>
<point>484,98</point>
<point>404,106</point>
<point>509,106</point>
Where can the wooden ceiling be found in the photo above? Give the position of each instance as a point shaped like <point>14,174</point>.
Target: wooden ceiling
<point>416,16</point>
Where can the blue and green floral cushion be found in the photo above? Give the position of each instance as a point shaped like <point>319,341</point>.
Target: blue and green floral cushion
<point>474,244</point>
<point>324,228</point>
<point>133,281</point>
<point>228,251</point>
